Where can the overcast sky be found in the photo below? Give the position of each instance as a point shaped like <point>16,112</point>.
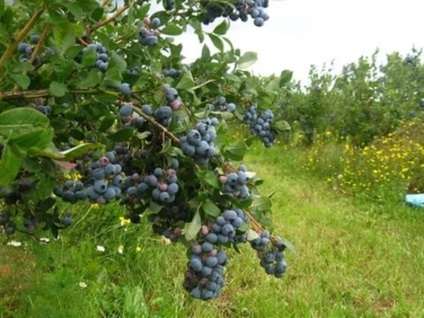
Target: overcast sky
<point>304,32</point>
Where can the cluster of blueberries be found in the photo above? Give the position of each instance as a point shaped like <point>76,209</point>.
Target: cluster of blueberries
<point>198,143</point>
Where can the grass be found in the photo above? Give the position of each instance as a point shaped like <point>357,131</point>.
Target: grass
<point>354,258</point>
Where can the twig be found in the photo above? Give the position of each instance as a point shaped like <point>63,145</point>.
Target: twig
<point>19,37</point>
<point>153,122</point>
<point>255,224</point>
<point>110,19</point>
<point>36,49</point>
<point>11,95</point>
<point>40,42</point>
<point>81,41</point>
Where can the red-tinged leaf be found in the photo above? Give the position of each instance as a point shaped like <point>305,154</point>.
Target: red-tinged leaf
<point>66,165</point>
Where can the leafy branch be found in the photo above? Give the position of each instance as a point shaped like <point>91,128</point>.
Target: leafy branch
<point>109,19</point>
<point>154,123</point>
<point>12,95</point>
<point>19,37</point>
<point>40,42</point>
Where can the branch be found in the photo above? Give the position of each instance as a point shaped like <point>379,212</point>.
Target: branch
<point>19,37</point>
<point>36,49</point>
<point>255,224</point>
<point>40,42</point>
<point>110,19</point>
<point>82,42</point>
<point>42,93</point>
<point>153,122</point>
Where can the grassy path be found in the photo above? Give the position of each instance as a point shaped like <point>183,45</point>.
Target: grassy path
<point>353,259</point>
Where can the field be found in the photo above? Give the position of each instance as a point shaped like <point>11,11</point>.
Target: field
<point>353,258</point>
<point>103,125</point>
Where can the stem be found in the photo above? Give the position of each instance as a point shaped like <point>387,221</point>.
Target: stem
<point>82,42</point>
<point>154,123</point>
<point>110,19</point>
<point>40,42</point>
<point>36,49</point>
<point>19,37</point>
<point>42,93</point>
<point>255,224</point>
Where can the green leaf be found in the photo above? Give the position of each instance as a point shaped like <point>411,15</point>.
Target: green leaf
<point>89,57</point>
<point>58,89</point>
<point>92,79</point>
<point>217,42</point>
<point>221,28</point>
<point>186,81</point>
<point>194,227</point>
<point>75,9</point>
<point>44,189</point>
<point>55,230</point>
<point>206,53</point>
<point>207,176</point>
<point>123,134</point>
<point>22,80</point>
<point>252,235</point>
<point>171,29</point>
<point>72,51</point>
<point>78,150</point>
<point>49,151</point>
<point>247,59</point>
<point>97,14</point>
<point>211,208</point>
<point>40,138</point>
<point>45,204</point>
<point>261,203</point>
<point>242,204</point>
<point>143,135</point>
<point>107,122</point>
<point>10,164</point>
<point>22,67</point>
<point>107,98</point>
<point>281,126</point>
<point>232,77</point>
<point>154,207</point>
<point>113,76</point>
<point>203,84</point>
<point>118,61</point>
<point>54,16</point>
<point>285,77</point>
<point>245,226</point>
<point>21,120</point>
<point>236,150</point>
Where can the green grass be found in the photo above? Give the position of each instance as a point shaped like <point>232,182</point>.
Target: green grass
<point>354,258</point>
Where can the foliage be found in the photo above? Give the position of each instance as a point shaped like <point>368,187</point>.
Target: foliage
<point>90,110</point>
<point>369,98</point>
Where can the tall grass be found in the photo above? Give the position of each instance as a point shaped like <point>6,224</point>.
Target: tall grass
<point>386,169</point>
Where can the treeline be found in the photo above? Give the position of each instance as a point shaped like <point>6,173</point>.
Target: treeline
<point>368,98</point>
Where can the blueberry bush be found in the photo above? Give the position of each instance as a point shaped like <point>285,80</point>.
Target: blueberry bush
<point>96,105</point>
<point>370,97</point>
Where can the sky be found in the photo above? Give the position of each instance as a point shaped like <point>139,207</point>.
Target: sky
<point>300,33</point>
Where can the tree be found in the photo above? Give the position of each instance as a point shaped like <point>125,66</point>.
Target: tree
<point>96,105</point>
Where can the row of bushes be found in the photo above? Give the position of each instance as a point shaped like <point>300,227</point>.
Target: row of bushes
<point>367,99</point>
